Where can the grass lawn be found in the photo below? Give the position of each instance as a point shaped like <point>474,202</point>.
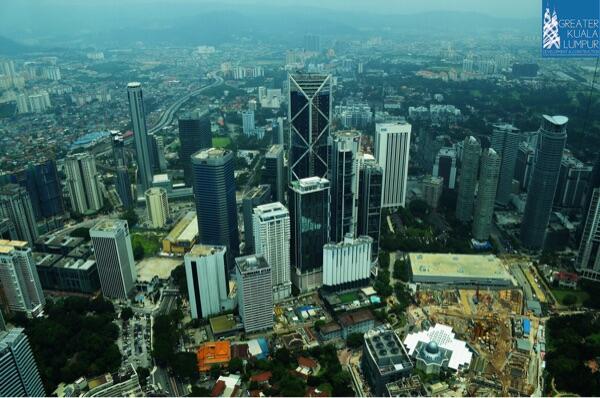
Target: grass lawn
<point>348,297</point>
<point>561,293</point>
<point>221,142</point>
<point>150,243</point>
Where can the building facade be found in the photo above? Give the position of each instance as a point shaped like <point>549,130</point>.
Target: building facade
<point>194,134</point>
<point>274,173</point>
<point>486,194</point>
<point>505,141</point>
<point>140,133</point>
<point>19,374</point>
<point>15,205</point>
<point>157,207</point>
<point>347,263</point>
<point>369,201</point>
<point>445,166</point>
<point>83,183</point>
<point>392,149</point>
<point>255,196</point>
<point>468,179</point>
<point>254,292</point>
<point>432,190</point>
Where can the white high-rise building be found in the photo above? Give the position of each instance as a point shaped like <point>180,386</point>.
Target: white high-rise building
<point>83,184</point>
<point>248,125</point>
<point>19,278</point>
<point>19,374</point>
<point>157,206</point>
<point>392,147</point>
<point>348,261</point>
<point>114,258</point>
<point>206,280</point>
<point>272,240</point>
<point>254,292</point>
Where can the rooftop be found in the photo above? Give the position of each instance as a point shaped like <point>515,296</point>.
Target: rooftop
<point>213,352</point>
<point>457,265</point>
<point>206,250</point>
<point>274,150</point>
<point>185,229</point>
<point>7,246</point>
<point>387,351</point>
<point>222,324</point>
<point>107,225</point>
<point>271,210</point>
<point>211,153</point>
<point>252,262</point>
<point>310,184</point>
<point>440,336</point>
<point>352,318</point>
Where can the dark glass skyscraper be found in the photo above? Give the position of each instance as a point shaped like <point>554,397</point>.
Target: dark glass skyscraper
<point>194,135</point>
<point>310,115</point>
<point>214,192</point>
<point>255,196</point>
<point>505,141</point>
<point>140,133</point>
<point>552,137</point>
<point>15,205</point>
<point>43,186</point>
<point>369,201</point>
<point>122,183</point>
<point>274,172</point>
<point>468,179</point>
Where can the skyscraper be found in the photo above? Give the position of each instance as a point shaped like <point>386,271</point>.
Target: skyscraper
<point>392,147</point>
<point>248,126</point>
<point>309,216</point>
<point>114,258</point>
<point>552,137</point>
<point>573,180</point>
<point>312,43</point>
<point>142,145</point>
<point>19,374</point>
<point>157,207</point>
<point>254,292</point>
<point>122,183</point>
<point>347,263</point>
<point>309,112</point>
<point>343,178</point>
<point>207,281</point>
<point>369,201</point>
<point>194,134</point>
<point>16,206</point>
<point>486,194</point>
<point>43,185</point>
<point>214,192</point>
<point>83,184</point>
<point>432,190</point>
<point>588,258</point>
<point>19,278</point>
<point>253,197</point>
<point>157,153</point>
<point>505,141</point>
<point>272,240</point>
<point>445,166</point>
<point>274,172</point>
<point>524,165</point>
<point>468,179</point>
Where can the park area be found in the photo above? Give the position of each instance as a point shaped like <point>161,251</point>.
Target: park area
<point>221,142</point>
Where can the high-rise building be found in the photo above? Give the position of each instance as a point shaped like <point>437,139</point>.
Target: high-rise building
<point>248,125</point>
<point>15,205</point>
<point>505,141</point>
<point>114,258</point>
<point>588,258</point>
<point>486,194</point>
<point>19,278</point>
<point>7,230</point>
<point>207,280</point>
<point>157,153</point>
<point>43,185</point>
<point>2,322</point>
<point>445,166</point>
<point>19,374</point>
<point>312,43</point>
<point>255,196</point>
<point>552,137</point>
<point>272,240</point>
<point>140,133</point>
<point>343,178</point>
<point>392,147</point>
<point>309,113</point>
<point>254,292</point>
<point>214,192</point>
<point>194,134</point>
<point>274,172</point>
<point>432,190</point>
<point>347,263</point>
<point>369,201</point>
<point>309,216</point>
<point>278,135</point>
<point>83,183</point>
<point>524,165</point>
<point>157,207</point>
<point>468,179</point>
<point>573,180</point>
<point>122,183</point>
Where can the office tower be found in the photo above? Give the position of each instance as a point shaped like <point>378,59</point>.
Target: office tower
<point>272,240</point>
<point>157,153</point>
<point>122,183</point>
<point>369,201</point>
<point>8,68</point>
<point>7,230</point>
<point>552,137</point>
<point>347,263</point>
<point>19,278</point>
<point>278,135</point>
<point>505,141</point>
<point>194,134</point>
<point>392,147</point>
<point>274,172</point>
<point>468,179</point>
<point>2,322</point>
<point>157,207</point>
<point>573,179</point>
<point>142,145</point>
<point>43,185</point>
<point>214,192</point>
<point>445,166</point>
<point>486,194</point>
<point>253,197</point>
<point>19,374</point>
<point>309,113</point>
<point>114,258</point>
<point>83,183</point>
<point>248,126</point>
<point>254,292</point>
<point>524,165</point>
<point>309,216</point>
<point>206,275</point>
<point>312,43</point>
<point>432,190</point>
<point>588,258</point>
<point>16,206</point>
<point>343,178</point>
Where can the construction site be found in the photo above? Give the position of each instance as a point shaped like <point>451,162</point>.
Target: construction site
<point>485,319</point>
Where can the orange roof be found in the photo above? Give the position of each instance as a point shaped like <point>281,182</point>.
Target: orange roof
<point>218,388</point>
<point>261,377</point>
<point>307,362</point>
<point>213,353</point>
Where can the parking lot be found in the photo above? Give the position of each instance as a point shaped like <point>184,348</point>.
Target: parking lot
<point>135,340</point>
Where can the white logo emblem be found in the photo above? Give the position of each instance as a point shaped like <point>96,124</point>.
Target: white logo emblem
<point>551,37</point>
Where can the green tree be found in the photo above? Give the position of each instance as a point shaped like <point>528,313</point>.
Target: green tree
<point>130,216</point>
<point>143,374</point>
<point>81,232</point>
<point>569,299</point>
<point>215,371</point>
<point>354,340</point>
<point>185,365</point>
<point>126,314</point>
<point>138,251</point>
<point>200,392</point>
<point>236,365</point>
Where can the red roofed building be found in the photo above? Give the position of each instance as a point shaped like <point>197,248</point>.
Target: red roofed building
<point>218,389</point>
<point>566,279</point>
<point>307,366</point>
<point>261,377</point>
